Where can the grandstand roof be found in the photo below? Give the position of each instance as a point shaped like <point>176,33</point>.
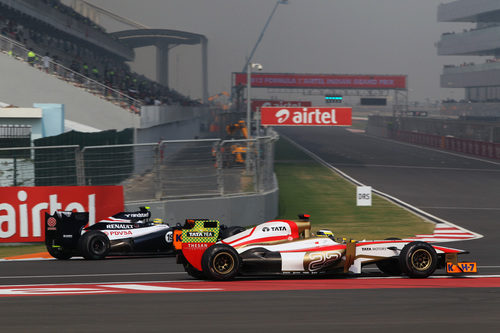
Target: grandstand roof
<point>146,37</point>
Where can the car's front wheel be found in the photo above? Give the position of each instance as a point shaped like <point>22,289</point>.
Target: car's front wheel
<point>418,259</point>
<point>220,262</point>
<point>94,245</point>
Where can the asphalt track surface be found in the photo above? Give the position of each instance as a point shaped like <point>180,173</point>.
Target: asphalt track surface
<point>461,190</point>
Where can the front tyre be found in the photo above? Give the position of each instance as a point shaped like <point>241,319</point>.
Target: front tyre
<point>220,262</point>
<point>94,245</point>
<point>418,259</point>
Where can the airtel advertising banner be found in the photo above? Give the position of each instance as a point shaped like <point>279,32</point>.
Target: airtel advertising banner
<point>311,116</point>
<point>22,209</point>
<point>332,81</point>
<point>260,103</point>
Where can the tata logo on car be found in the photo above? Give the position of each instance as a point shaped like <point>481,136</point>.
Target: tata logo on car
<point>200,234</point>
<point>272,228</point>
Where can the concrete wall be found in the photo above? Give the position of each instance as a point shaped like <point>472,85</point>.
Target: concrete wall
<point>23,85</point>
<point>166,114</point>
<point>160,123</point>
<point>231,211</point>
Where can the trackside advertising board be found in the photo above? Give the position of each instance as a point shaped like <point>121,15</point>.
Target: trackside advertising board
<point>322,81</point>
<point>260,103</point>
<point>22,208</point>
<point>310,116</point>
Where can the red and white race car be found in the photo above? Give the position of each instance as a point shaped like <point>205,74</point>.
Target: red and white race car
<point>283,246</point>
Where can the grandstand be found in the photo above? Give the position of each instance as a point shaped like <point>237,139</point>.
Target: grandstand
<point>481,81</point>
<point>72,47</point>
<point>167,152</point>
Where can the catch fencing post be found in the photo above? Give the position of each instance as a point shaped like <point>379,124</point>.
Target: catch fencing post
<point>80,167</point>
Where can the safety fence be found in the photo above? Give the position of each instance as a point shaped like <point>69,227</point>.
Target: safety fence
<point>149,171</point>
<point>18,51</point>
<point>472,147</point>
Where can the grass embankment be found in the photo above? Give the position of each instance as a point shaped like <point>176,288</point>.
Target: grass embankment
<point>359,124</point>
<point>16,250</point>
<point>308,187</point>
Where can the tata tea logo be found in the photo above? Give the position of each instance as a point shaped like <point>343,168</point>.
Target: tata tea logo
<point>310,116</point>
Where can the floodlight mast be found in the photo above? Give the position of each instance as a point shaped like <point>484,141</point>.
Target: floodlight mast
<point>249,65</point>
<point>249,59</point>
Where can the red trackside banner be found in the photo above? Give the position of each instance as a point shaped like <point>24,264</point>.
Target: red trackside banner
<point>260,103</point>
<point>22,208</point>
<point>311,116</point>
<point>332,81</point>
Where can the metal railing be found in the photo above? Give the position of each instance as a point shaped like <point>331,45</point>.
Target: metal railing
<point>18,51</point>
<point>471,147</point>
<point>150,171</point>
<point>40,166</point>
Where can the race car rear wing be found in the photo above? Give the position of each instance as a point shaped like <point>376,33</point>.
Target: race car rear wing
<point>142,214</point>
<point>64,228</point>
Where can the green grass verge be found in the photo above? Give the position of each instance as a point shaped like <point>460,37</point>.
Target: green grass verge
<point>359,124</point>
<point>16,250</point>
<point>308,187</point>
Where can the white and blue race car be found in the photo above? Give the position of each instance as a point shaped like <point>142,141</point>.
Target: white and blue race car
<point>68,234</point>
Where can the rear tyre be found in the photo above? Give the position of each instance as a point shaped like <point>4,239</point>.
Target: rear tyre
<point>94,245</point>
<point>220,262</point>
<point>418,259</point>
<point>59,252</point>
<point>230,231</point>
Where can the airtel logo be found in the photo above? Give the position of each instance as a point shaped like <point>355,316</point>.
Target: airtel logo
<point>282,115</point>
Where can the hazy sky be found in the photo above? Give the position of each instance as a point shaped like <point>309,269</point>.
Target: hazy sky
<point>305,36</point>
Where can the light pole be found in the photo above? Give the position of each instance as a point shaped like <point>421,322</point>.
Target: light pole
<point>279,2</point>
<point>250,66</point>
<point>248,63</point>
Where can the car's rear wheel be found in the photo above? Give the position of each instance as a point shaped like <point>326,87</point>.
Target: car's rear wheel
<point>418,259</point>
<point>220,262</point>
<point>94,245</point>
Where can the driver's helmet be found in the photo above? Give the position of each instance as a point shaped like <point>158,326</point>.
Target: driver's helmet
<point>324,233</point>
<point>158,221</point>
